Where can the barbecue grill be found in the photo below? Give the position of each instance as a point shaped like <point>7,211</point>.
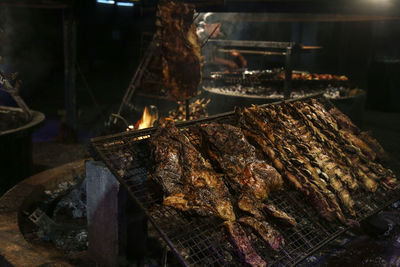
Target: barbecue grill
<point>200,241</point>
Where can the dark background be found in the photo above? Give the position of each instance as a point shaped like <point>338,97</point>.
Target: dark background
<point>111,39</point>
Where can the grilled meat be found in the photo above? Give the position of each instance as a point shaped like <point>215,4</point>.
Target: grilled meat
<point>180,49</point>
<point>288,171</point>
<point>258,209</point>
<point>271,139</point>
<point>248,176</point>
<point>381,155</point>
<point>341,119</point>
<point>249,204</point>
<point>279,214</point>
<point>326,131</point>
<point>242,244</point>
<point>227,147</point>
<point>188,180</point>
<point>273,238</point>
<point>357,155</point>
<point>327,168</point>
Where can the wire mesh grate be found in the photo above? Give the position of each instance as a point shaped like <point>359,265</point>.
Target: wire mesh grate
<point>200,241</point>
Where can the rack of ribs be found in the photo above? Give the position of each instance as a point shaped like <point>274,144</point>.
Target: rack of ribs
<point>259,127</point>
<point>355,149</point>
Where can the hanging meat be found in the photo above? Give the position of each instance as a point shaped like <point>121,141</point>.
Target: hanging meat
<point>180,49</point>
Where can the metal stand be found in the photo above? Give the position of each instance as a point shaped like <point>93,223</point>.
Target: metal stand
<point>136,80</point>
<point>287,87</point>
<point>187,110</point>
<point>284,49</point>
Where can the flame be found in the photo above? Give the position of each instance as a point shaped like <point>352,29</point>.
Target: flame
<point>147,119</point>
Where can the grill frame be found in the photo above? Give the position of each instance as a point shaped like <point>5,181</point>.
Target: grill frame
<point>126,155</point>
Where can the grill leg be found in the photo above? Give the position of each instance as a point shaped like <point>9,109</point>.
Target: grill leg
<point>117,229</point>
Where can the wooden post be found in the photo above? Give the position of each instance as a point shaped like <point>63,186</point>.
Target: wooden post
<point>69,29</point>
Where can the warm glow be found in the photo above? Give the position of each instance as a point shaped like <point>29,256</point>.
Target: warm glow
<point>147,119</point>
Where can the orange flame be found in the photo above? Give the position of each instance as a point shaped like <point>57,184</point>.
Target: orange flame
<point>148,119</point>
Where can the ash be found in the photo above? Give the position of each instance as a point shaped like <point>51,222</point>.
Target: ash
<point>75,201</point>
<point>66,225</point>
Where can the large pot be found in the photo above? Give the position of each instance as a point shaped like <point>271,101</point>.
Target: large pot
<point>16,148</point>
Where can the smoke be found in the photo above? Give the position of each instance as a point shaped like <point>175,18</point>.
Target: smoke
<point>27,46</point>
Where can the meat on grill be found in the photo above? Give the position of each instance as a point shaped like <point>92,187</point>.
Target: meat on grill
<point>325,129</point>
<point>180,49</point>
<point>272,237</point>
<point>243,246</point>
<point>328,169</point>
<point>250,178</point>
<point>279,214</point>
<point>287,159</point>
<point>357,150</point>
<point>319,151</point>
<point>259,209</point>
<point>188,180</point>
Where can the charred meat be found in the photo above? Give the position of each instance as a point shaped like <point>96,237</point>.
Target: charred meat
<point>188,180</point>
<point>279,214</point>
<point>271,137</point>
<point>229,149</point>
<point>272,237</point>
<point>180,49</point>
<point>251,178</point>
<point>243,246</point>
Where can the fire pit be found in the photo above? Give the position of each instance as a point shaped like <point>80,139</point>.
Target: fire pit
<point>15,225</point>
<point>16,144</point>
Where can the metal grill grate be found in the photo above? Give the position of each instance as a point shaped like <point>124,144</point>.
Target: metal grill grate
<point>201,241</point>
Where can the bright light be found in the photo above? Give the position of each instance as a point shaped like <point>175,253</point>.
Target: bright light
<point>110,2</point>
<point>382,3</point>
<point>125,4</point>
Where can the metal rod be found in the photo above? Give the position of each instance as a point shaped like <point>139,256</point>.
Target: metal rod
<point>209,36</point>
<point>137,77</point>
<point>187,109</point>
<point>252,44</point>
<point>287,88</point>
<point>244,51</point>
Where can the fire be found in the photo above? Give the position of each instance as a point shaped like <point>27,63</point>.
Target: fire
<point>149,117</point>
